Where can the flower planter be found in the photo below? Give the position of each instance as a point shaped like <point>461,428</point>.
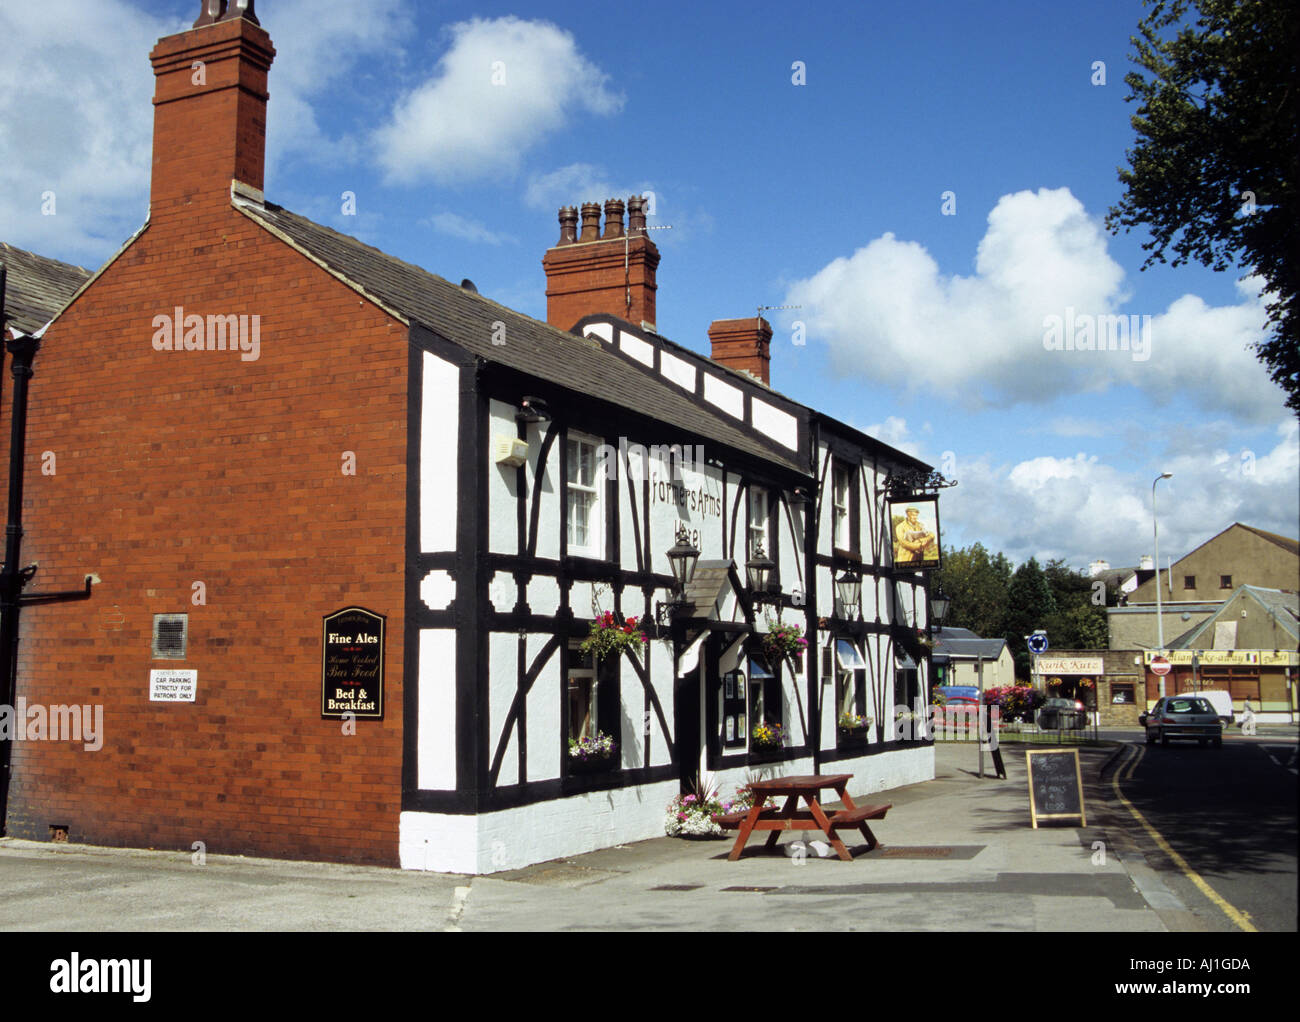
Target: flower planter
<point>854,736</point>
<point>595,765</point>
<point>766,754</point>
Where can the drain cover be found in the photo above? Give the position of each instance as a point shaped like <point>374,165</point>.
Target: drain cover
<point>756,890</point>
<point>928,852</point>
<point>678,887</point>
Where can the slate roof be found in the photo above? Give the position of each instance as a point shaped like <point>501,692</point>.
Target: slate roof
<point>1283,607</point>
<point>37,288</point>
<point>466,318</point>
<point>967,645</point>
<point>1291,546</point>
<point>969,649</point>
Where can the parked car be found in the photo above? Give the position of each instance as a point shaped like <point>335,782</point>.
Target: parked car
<point>1183,717</point>
<point>1062,715</point>
<point>958,710</point>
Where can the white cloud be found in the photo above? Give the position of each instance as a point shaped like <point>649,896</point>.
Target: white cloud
<point>570,186</point>
<point>321,45</point>
<point>894,431</point>
<point>1082,508</point>
<point>457,226</point>
<point>76,116</point>
<point>888,312</point>
<point>502,86</point>
<point>76,121</point>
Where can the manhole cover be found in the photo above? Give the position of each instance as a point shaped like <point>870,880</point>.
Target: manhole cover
<point>677,887</point>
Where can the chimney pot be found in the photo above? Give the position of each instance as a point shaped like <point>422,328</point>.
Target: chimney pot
<point>636,216</point>
<point>212,11</point>
<point>590,221</point>
<point>568,225</point>
<point>613,218</point>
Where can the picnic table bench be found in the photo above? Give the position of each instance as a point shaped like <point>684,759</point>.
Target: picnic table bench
<point>765,817</point>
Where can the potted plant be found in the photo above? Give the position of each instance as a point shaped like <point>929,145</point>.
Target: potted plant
<point>592,755</point>
<point>692,815</point>
<point>607,636</point>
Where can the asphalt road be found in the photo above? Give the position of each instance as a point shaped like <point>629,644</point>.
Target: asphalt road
<point>1230,813</point>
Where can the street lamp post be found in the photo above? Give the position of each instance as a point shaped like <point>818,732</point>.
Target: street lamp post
<point>1160,618</point>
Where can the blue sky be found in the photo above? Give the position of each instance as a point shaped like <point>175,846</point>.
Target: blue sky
<point>922,327</point>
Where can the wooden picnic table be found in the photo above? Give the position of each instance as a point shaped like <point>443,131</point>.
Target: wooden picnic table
<point>790,817</point>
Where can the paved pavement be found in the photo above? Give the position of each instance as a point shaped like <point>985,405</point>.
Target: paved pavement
<point>958,853</point>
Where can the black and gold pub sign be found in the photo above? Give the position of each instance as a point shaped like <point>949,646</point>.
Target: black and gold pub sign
<point>352,665</point>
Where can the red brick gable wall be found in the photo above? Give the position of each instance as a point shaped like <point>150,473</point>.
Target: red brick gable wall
<point>177,467</point>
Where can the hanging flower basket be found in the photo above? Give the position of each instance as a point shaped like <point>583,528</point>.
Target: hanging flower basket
<point>785,640</point>
<point>607,636</point>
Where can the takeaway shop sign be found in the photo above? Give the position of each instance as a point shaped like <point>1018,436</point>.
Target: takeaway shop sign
<point>352,665</point>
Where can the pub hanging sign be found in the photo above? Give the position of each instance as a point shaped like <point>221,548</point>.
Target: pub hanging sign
<point>352,665</point>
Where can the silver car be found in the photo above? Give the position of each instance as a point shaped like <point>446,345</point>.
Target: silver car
<point>1183,717</point>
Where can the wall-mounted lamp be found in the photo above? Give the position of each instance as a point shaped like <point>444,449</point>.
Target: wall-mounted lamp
<point>939,604</point>
<point>682,559</point>
<point>533,409</point>
<point>849,588</point>
<point>758,572</point>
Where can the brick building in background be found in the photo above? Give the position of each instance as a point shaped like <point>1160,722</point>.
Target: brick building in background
<point>257,422</point>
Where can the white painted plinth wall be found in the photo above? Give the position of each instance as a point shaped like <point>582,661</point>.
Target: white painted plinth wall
<point>513,838</point>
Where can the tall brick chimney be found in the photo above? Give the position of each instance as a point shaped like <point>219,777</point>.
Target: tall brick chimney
<point>591,272</point>
<point>209,108</point>
<point>743,344</point>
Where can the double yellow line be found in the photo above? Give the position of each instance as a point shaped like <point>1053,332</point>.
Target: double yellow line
<point>1125,772</point>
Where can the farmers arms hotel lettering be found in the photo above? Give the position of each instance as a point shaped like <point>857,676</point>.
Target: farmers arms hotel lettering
<point>352,665</point>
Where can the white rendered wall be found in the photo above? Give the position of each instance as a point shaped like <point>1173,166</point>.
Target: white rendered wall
<point>439,454</point>
<point>503,667</point>
<point>503,488</point>
<point>549,518</point>
<point>544,722</point>
<point>436,742</point>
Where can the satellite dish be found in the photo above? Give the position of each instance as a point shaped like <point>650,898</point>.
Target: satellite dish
<point>468,285</point>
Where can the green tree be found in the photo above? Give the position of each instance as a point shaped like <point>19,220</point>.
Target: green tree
<point>1215,169</point>
<point>1077,621</point>
<point>977,585</point>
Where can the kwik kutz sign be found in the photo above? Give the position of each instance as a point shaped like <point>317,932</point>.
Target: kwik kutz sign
<point>352,665</point>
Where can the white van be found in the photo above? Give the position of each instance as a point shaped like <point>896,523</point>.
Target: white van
<point>1219,699</point>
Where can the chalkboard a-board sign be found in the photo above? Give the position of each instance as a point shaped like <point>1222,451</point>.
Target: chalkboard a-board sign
<point>352,665</point>
<point>1055,786</point>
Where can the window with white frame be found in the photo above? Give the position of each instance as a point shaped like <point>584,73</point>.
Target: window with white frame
<point>583,510</point>
<point>758,522</point>
<point>840,518</point>
<point>764,693</point>
<point>850,679</point>
<point>583,693</point>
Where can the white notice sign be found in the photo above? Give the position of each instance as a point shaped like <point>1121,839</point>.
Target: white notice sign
<point>173,686</point>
